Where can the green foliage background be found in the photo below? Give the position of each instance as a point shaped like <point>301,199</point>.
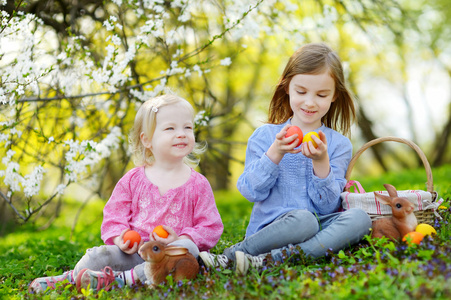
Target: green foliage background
<point>372,269</point>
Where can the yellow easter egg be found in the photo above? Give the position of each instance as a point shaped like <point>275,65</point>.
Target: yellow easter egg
<point>425,229</point>
<point>308,138</point>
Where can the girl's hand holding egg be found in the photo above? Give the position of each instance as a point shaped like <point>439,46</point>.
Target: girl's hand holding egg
<point>309,138</point>
<point>164,234</point>
<point>159,230</point>
<point>295,130</point>
<point>133,237</point>
<point>315,149</point>
<point>128,241</point>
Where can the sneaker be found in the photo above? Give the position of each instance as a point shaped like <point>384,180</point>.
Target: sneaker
<point>243,261</point>
<point>214,260</point>
<point>41,284</point>
<point>97,280</point>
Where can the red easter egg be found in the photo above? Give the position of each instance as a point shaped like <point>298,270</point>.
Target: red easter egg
<point>295,130</point>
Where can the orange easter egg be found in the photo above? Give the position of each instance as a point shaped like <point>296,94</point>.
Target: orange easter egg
<point>159,230</point>
<point>413,237</point>
<point>133,237</point>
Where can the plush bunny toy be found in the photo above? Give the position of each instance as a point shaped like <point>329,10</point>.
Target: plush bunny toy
<point>162,260</point>
<point>401,222</point>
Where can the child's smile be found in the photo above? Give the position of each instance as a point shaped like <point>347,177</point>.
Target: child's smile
<point>308,112</point>
<point>181,145</point>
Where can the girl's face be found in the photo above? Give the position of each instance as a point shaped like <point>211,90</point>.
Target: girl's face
<point>310,98</point>
<point>173,138</point>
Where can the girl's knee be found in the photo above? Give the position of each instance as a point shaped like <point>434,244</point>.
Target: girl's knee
<point>303,221</point>
<point>302,215</point>
<point>103,251</point>
<point>359,217</point>
<point>98,257</point>
<point>359,220</point>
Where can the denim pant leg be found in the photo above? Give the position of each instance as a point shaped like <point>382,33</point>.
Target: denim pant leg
<point>97,258</point>
<point>338,230</point>
<point>293,227</point>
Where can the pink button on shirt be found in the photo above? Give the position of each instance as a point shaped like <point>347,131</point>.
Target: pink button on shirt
<point>136,203</point>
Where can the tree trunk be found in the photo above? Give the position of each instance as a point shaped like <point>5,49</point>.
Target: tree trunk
<point>216,164</point>
<point>441,143</point>
<point>366,126</point>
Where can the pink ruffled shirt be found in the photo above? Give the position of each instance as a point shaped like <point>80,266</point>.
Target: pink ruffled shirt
<point>136,203</point>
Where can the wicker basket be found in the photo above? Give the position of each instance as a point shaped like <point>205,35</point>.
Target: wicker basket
<point>425,204</point>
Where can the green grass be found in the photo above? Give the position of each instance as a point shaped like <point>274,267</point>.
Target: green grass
<point>371,269</point>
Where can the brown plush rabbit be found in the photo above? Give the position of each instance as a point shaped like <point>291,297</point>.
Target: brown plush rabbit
<point>162,260</point>
<point>401,222</point>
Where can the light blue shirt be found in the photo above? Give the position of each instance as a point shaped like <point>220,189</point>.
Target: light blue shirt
<point>277,189</point>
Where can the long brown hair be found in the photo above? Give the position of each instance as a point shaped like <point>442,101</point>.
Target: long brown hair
<point>315,58</point>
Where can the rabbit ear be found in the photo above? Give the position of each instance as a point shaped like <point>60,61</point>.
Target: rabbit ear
<point>382,198</point>
<point>391,190</point>
<point>175,250</point>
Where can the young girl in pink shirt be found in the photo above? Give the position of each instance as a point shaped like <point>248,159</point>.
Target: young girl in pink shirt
<point>162,190</point>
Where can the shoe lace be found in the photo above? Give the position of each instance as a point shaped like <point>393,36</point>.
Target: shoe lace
<point>222,260</point>
<point>255,261</point>
<point>105,279</point>
<point>53,280</point>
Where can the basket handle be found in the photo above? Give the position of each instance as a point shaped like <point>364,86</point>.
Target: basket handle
<point>427,167</point>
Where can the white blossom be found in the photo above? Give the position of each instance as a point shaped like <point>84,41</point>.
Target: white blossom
<point>158,9</point>
<point>60,189</point>
<point>291,7</point>
<point>11,175</point>
<point>108,25</point>
<point>86,154</point>
<point>197,69</point>
<point>185,17</point>
<point>177,3</point>
<point>116,40</point>
<point>226,61</point>
<point>201,119</point>
<point>3,137</point>
<point>7,158</point>
<point>32,181</point>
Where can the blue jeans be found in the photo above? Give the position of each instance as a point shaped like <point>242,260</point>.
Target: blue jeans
<point>315,235</point>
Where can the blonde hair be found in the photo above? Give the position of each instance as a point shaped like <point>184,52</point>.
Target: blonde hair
<point>315,58</point>
<point>146,121</point>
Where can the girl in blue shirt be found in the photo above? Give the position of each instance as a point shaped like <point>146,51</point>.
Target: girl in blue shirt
<point>296,190</point>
